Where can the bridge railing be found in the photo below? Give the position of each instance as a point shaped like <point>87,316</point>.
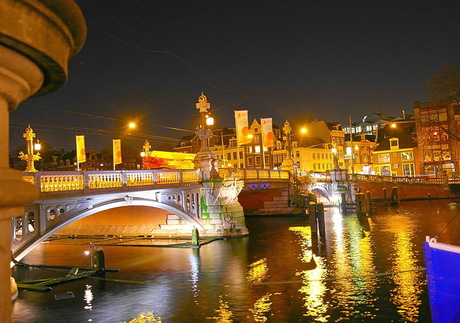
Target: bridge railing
<point>93,180</point>
<point>402,179</point>
<point>79,180</point>
<point>255,174</point>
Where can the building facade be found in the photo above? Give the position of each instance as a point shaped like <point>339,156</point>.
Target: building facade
<point>438,136</point>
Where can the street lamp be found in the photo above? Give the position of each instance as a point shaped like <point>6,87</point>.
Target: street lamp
<point>204,158</point>
<point>303,131</point>
<point>30,157</point>
<point>145,151</point>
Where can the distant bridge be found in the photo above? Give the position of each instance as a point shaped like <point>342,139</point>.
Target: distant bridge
<point>67,197</point>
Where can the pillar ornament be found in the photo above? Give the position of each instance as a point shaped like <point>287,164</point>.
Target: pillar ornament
<point>30,157</point>
<point>205,160</point>
<point>288,162</point>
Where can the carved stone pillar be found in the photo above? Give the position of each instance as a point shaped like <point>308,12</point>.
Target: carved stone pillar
<point>37,38</point>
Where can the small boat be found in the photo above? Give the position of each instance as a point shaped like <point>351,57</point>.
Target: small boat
<point>442,263</point>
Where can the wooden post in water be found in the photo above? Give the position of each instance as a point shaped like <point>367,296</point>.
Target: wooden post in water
<point>360,204</point>
<point>368,203</point>
<point>385,200</point>
<point>344,202</point>
<point>312,216</point>
<point>320,216</point>
<point>394,196</point>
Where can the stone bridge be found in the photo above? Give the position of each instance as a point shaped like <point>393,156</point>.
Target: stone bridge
<point>210,206</point>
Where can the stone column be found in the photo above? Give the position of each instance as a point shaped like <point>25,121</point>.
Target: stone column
<point>37,38</point>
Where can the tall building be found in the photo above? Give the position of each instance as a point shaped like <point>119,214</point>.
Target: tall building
<point>438,136</point>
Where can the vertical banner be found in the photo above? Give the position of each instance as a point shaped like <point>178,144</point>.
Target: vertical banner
<point>242,128</point>
<point>81,152</point>
<point>267,132</point>
<point>116,152</point>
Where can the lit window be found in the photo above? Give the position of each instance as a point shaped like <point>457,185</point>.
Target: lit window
<point>394,143</point>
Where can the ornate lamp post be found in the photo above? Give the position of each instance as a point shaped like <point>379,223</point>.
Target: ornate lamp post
<point>205,157</point>
<point>29,135</point>
<point>145,151</point>
<point>288,162</point>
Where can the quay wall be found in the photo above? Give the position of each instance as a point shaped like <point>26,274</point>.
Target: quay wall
<point>408,191</point>
<point>253,201</point>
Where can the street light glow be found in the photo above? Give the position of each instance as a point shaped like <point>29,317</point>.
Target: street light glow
<point>303,130</point>
<point>209,120</point>
<point>37,145</point>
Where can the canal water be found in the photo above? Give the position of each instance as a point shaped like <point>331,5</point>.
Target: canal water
<point>364,269</point>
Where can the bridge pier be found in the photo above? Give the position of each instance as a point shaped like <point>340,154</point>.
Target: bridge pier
<point>38,38</point>
<point>222,214</point>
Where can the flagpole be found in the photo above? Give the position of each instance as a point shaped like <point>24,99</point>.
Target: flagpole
<point>263,151</point>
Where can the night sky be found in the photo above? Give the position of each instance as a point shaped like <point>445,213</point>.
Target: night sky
<point>289,60</point>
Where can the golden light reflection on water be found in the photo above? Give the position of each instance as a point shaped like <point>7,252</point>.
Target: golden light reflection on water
<point>313,277</point>
<point>224,315</point>
<point>407,278</point>
<point>352,259</point>
<point>261,308</point>
<point>258,271</point>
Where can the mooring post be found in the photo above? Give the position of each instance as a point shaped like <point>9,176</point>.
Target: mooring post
<point>385,196</point>
<point>394,196</point>
<point>320,215</point>
<point>368,203</point>
<point>195,237</point>
<point>360,204</point>
<point>344,202</point>
<point>312,216</point>
<point>99,260</point>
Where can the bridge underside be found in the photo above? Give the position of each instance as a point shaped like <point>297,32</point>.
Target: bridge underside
<point>127,221</point>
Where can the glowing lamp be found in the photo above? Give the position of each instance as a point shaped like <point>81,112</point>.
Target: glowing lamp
<point>38,145</point>
<point>209,120</point>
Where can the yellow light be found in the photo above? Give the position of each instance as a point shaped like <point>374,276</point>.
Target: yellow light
<point>38,145</point>
<point>209,120</point>
<point>393,125</point>
<point>334,150</point>
<point>142,153</point>
<point>250,135</point>
<point>303,130</point>
<point>132,125</point>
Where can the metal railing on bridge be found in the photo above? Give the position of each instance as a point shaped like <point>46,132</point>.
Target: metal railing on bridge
<point>403,179</point>
<point>80,180</point>
<point>56,181</point>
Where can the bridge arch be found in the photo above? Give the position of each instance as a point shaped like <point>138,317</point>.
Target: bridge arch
<point>323,191</point>
<point>50,218</point>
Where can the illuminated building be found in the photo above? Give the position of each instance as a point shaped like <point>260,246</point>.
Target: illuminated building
<point>438,136</point>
